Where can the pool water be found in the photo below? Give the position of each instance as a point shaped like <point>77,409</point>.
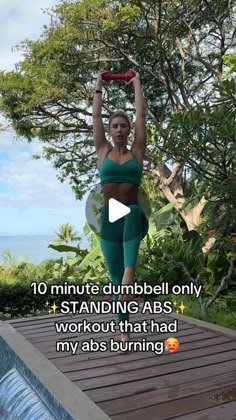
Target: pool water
<point>22,395</point>
<point>19,400</point>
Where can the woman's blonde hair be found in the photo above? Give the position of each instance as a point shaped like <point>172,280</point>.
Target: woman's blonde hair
<point>119,113</point>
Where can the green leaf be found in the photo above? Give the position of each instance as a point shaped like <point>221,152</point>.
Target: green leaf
<point>65,248</point>
<point>161,217</point>
<point>90,257</point>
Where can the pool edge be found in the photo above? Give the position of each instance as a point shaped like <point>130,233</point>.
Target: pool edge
<point>68,395</point>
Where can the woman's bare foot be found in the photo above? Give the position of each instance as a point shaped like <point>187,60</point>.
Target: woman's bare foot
<point>128,280</point>
<point>125,337</point>
<point>126,298</point>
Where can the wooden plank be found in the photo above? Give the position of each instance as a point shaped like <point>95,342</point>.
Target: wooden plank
<point>178,407</point>
<point>49,325</point>
<point>37,321</point>
<point>188,340</point>
<point>29,319</point>
<point>140,401</point>
<point>42,318</point>
<point>184,338</point>
<point>182,318</point>
<point>167,378</point>
<point>40,335</point>
<point>206,325</point>
<point>189,384</point>
<point>224,411</point>
<point>27,322</point>
<point>47,347</point>
<point>146,364</point>
<point>32,319</point>
<point>67,362</point>
<point>161,368</point>
<point>54,336</point>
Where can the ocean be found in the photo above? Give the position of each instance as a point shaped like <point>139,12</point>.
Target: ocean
<point>35,248</point>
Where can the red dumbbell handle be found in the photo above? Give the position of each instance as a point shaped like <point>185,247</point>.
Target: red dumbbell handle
<point>112,76</point>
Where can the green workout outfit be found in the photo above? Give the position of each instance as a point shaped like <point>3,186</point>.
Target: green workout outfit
<point>121,239</point>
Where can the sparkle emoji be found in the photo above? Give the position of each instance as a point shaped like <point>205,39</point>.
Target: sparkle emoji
<point>54,307</point>
<point>171,345</point>
<point>182,307</point>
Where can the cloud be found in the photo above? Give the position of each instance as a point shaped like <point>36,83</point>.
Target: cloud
<point>31,182</point>
<point>10,144</point>
<point>18,21</point>
<point>32,199</point>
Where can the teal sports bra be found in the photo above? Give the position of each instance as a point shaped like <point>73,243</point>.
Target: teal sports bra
<point>112,172</point>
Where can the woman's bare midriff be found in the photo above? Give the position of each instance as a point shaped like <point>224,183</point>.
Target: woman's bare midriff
<point>126,193</point>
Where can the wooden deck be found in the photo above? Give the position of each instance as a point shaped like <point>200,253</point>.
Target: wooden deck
<point>197,382</point>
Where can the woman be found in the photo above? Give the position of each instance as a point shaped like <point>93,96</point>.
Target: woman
<point>120,171</point>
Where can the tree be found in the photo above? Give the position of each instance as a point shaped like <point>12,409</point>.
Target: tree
<point>66,234</point>
<point>179,49</point>
<point>177,46</point>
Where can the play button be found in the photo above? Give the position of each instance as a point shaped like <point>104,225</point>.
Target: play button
<point>112,215</point>
<point>117,210</point>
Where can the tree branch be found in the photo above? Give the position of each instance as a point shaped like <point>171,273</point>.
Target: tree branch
<point>175,172</point>
<point>223,283</point>
<point>104,59</point>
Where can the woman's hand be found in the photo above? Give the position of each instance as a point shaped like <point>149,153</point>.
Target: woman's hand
<point>100,79</point>
<point>134,79</point>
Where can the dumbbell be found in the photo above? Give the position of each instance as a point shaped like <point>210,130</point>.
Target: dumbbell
<point>113,76</point>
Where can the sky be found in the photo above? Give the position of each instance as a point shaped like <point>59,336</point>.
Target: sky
<point>32,200</point>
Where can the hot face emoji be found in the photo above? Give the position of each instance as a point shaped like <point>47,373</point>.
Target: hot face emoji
<point>171,345</point>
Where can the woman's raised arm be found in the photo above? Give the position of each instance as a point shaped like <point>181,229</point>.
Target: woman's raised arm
<point>140,137</point>
<point>98,127</point>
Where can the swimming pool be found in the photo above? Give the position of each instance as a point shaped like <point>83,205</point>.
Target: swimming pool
<point>22,395</point>
<point>32,388</point>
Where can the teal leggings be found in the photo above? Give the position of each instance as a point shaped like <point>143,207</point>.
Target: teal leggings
<point>120,243</point>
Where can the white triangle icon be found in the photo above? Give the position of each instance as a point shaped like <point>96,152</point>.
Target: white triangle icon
<point>116,210</point>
